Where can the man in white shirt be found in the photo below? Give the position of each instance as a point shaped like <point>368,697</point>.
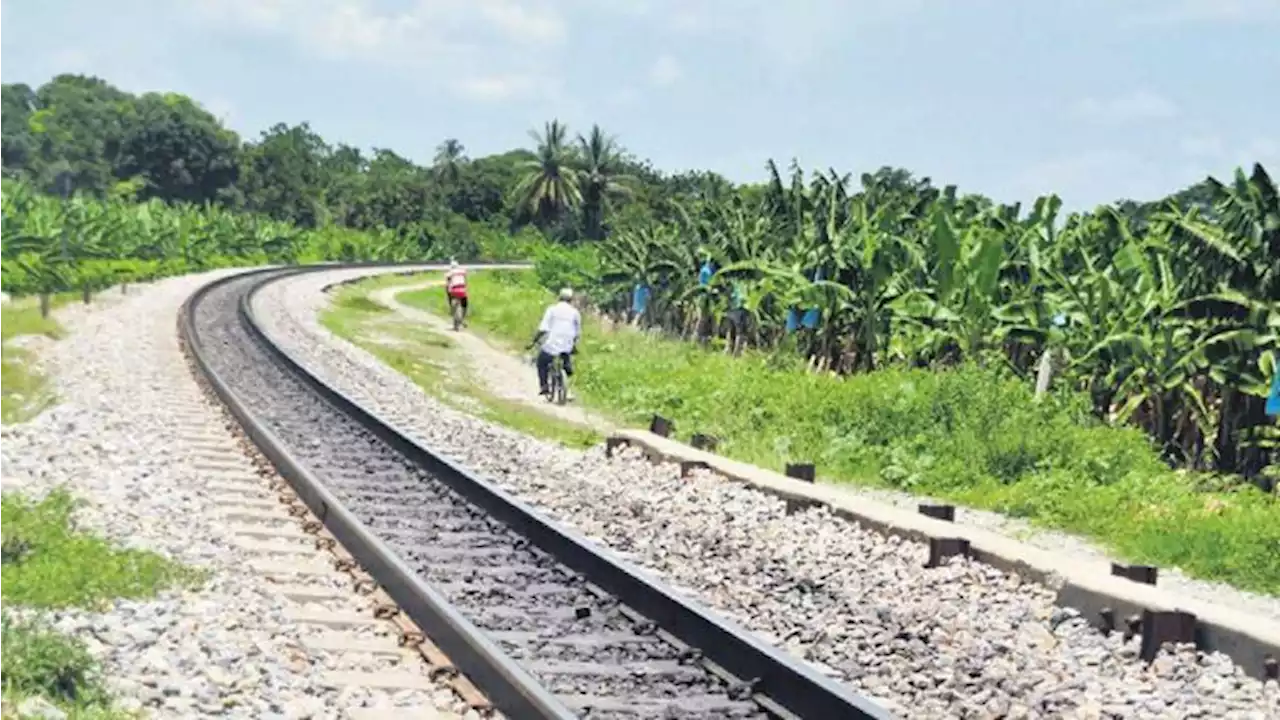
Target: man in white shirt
<point>559,331</point>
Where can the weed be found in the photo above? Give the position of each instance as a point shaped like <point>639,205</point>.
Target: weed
<point>44,666</point>
<point>49,564</point>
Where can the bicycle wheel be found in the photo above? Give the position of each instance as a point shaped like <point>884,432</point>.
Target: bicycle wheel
<point>561,391</point>
<point>553,381</point>
<point>457,315</point>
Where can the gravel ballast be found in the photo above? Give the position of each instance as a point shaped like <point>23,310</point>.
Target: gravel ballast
<point>962,641</point>
<point>222,650</point>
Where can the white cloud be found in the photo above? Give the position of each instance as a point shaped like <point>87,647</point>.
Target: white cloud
<point>1212,150</point>
<point>502,44</point>
<point>221,108</point>
<point>363,25</point>
<point>497,87</point>
<point>623,97</point>
<point>1203,146</point>
<point>686,20</point>
<point>73,60</point>
<point>524,23</point>
<point>1263,149</point>
<point>792,33</point>
<point>665,71</point>
<point>1134,107</point>
<point>259,15</point>
<point>1202,11</point>
<point>1091,178</point>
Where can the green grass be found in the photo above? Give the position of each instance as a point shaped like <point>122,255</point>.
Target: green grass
<point>48,564</point>
<point>970,435</point>
<point>40,662</point>
<point>432,361</point>
<point>24,391</point>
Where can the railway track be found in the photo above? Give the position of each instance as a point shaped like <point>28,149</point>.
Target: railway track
<point>546,625</point>
<point>377,660</point>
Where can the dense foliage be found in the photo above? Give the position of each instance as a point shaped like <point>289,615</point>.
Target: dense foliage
<point>1164,314</point>
<point>1167,315</point>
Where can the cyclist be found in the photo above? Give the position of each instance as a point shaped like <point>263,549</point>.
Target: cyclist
<point>455,287</point>
<point>559,331</point>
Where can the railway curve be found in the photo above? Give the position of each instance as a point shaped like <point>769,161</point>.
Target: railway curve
<point>546,624</point>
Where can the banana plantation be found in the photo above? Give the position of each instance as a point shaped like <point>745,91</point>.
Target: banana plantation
<point>84,244</point>
<point>1167,316</point>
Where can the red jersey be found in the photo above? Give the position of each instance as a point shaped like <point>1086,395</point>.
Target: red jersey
<point>455,282</point>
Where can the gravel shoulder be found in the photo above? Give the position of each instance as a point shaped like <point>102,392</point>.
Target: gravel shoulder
<point>224,650</point>
<point>962,641</point>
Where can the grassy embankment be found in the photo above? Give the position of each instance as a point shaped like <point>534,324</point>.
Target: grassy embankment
<point>48,564</point>
<point>432,360</point>
<point>968,435</point>
<point>24,392</point>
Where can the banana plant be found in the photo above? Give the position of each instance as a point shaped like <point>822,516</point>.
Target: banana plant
<point>961,306</point>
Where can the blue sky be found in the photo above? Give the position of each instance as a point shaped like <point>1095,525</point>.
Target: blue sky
<point>1093,99</point>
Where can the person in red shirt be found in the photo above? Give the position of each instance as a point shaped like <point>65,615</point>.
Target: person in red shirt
<point>455,286</point>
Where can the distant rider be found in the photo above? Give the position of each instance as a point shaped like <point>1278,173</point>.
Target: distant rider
<point>455,287</point>
<point>559,331</point>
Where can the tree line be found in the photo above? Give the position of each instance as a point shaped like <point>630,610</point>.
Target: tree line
<point>171,149</point>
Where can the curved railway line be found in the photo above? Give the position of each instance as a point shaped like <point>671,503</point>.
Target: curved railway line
<point>545,624</point>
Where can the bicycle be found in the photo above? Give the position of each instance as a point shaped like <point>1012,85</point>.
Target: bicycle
<point>456,309</point>
<point>558,382</point>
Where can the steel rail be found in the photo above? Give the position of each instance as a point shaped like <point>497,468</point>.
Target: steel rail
<point>781,685</point>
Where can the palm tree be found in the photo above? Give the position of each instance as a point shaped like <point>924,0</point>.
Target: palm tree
<point>551,186</point>
<point>450,156</point>
<point>601,179</point>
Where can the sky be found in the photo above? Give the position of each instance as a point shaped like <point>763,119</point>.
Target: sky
<point>1095,100</point>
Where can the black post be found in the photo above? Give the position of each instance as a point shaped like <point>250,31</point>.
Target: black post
<point>1145,574</point>
<point>938,512</point>
<point>801,471</point>
<point>660,426</point>
<point>942,548</point>
<point>704,442</point>
<point>1159,628</point>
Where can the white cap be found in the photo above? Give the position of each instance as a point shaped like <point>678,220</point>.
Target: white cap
<point>566,294</point>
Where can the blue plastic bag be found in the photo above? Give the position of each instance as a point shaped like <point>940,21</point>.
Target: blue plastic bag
<point>1273,401</point>
<point>793,320</point>
<point>811,318</point>
<point>640,299</point>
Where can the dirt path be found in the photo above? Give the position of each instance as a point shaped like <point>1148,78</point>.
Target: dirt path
<point>501,374</point>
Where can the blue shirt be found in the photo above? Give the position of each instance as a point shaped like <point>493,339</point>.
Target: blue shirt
<point>704,275</point>
<point>1273,402</point>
